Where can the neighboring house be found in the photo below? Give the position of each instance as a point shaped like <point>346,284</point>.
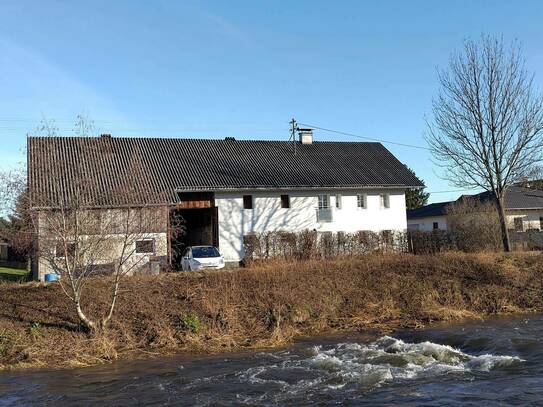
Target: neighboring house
<point>227,189</point>
<point>524,210</point>
<point>429,217</point>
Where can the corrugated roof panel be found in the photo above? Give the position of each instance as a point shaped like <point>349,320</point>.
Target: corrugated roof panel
<point>166,165</point>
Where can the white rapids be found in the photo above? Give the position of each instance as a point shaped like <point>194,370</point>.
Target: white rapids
<point>371,365</point>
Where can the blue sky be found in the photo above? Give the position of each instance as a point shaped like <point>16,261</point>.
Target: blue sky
<point>242,68</point>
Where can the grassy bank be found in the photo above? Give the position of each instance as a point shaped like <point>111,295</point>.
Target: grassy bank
<point>17,274</point>
<point>264,305</point>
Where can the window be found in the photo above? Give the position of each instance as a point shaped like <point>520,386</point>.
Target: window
<point>204,252</point>
<point>145,246</point>
<point>70,249</point>
<point>435,225</point>
<point>385,201</point>
<point>361,201</point>
<point>324,201</point>
<point>519,227</point>
<point>338,201</point>
<point>285,201</point>
<point>247,202</point>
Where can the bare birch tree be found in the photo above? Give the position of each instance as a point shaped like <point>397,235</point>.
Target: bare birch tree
<point>488,120</point>
<point>79,241</point>
<point>94,232</point>
<point>95,226</point>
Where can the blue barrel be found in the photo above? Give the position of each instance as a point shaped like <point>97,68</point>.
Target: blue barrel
<point>51,277</point>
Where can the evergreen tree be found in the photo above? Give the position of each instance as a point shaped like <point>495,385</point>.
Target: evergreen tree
<point>416,197</point>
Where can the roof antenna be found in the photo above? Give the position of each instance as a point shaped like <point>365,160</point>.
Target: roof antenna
<point>293,129</point>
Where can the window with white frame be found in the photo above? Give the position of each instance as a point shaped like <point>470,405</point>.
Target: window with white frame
<point>338,201</point>
<point>385,201</point>
<point>324,201</point>
<point>361,201</point>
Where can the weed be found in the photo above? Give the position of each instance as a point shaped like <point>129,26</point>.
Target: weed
<point>190,323</point>
<point>34,330</point>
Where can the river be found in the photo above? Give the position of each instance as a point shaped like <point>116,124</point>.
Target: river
<point>495,362</point>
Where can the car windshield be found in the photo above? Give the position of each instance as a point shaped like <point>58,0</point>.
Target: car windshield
<point>205,251</point>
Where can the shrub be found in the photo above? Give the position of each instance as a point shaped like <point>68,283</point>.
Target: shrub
<point>309,244</point>
<point>190,323</point>
<point>34,330</point>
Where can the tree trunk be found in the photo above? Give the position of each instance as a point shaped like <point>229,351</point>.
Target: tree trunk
<point>89,324</point>
<point>503,224</point>
<point>106,319</point>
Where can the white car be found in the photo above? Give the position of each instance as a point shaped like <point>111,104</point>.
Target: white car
<point>201,257</point>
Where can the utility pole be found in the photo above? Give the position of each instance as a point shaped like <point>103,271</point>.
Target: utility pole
<point>293,128</point>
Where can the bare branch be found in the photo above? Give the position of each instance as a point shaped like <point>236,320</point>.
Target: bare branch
<point>487,130</point>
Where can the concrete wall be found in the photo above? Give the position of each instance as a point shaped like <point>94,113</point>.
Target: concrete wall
<point>267,215</point>
<point>110,248</point>
<point>427,224</point>
<point>137,262</point>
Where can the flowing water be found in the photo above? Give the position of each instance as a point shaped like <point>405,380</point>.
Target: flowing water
<point>496,362</point>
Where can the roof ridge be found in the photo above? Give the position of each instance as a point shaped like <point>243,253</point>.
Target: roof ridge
<point>98,137</point>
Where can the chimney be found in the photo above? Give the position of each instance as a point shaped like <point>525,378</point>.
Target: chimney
<point>306,136</point>
<point>105,136</point>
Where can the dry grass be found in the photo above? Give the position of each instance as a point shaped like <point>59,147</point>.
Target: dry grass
<point>264,305</point>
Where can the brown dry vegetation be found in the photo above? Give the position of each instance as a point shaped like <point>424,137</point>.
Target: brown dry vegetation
<point>264,305</point>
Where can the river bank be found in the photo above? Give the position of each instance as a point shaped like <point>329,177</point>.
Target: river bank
<point>263,305</point>
<point>497,361</point>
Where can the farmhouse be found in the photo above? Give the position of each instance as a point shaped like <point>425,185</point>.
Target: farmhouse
<point>524,210</point>
<point>222,190</point>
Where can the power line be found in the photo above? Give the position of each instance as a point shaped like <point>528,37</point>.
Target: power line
<point>194,128</point>
<point>452,190</point>
<point>365,138</point>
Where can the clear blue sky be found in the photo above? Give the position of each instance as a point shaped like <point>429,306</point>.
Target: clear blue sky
<point>242,68</point>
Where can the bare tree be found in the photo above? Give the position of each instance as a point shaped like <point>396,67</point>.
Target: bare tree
<point>488,120</point>
<point>89,228</point>
<point>79,240</point>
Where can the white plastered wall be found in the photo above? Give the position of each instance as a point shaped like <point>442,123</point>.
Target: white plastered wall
<point>426,224</point>
<point>267,215</point>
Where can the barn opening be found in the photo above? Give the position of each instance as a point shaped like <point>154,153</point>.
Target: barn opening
<point>193,222</point>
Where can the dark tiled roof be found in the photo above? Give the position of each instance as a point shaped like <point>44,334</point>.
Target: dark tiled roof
<point>515,198</point>
<point>189,164</point>
<point>435,209</point>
